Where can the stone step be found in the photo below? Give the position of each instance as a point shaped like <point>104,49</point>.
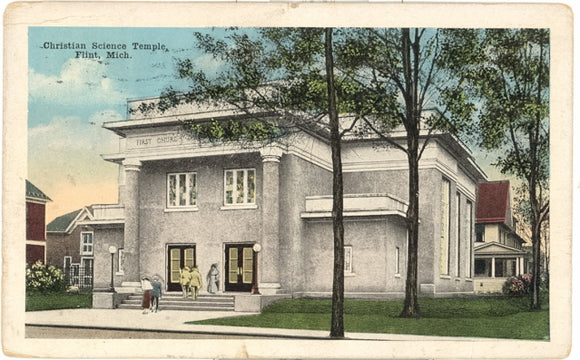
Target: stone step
<point>216,298</point>
<point>176,301</point>
<point>183,302</point>
<point>180,308</point>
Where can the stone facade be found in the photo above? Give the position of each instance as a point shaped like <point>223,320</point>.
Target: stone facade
<point>283,206</point>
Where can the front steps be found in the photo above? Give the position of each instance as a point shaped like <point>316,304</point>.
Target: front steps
<point>175,301</point>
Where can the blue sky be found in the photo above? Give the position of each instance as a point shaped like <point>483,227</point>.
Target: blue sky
<point>70,97</point>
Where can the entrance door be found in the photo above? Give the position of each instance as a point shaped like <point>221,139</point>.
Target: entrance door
<point>178,257</point>
<point>239,267</point>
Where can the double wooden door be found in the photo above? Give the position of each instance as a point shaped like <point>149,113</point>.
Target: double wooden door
<point>239,267</point>
<point>178,257</point>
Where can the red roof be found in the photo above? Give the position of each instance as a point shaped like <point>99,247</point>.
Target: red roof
<point>492,202</point>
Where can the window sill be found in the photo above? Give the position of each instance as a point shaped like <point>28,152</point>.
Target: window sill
<point>445,277</point>
<point>183,209</point>
<point>120,273</point>
<point>469,279</point>
<point>239,207</point>
<point>397,276</point>
<point>349,274</point>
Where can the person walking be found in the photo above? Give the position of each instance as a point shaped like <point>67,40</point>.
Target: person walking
<point>146,286</point>
<point>185,280</point>
<point>155,293</point>
<point>212,279</point>
<point>196,282</point>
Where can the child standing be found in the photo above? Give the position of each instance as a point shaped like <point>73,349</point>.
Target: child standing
<point>155,294</point>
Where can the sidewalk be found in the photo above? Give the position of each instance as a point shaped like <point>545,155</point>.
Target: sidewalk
<point>174,321</point>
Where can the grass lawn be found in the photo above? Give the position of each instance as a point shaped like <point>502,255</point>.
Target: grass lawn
<point>470,317</point>
<point>36,301</point>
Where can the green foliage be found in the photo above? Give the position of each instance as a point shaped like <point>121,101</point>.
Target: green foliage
<point>238,131</point>
<point>517,286</point>
<point>44,278</point>
<point>511,80</point>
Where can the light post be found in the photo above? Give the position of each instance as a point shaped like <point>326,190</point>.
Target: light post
<point>255,291</point>
<point>112,251</point>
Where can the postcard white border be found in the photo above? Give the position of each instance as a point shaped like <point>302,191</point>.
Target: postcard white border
<point>19,16</point>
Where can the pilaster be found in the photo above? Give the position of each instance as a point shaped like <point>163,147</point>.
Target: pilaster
<point>269,271</point>
<point>131,234</point>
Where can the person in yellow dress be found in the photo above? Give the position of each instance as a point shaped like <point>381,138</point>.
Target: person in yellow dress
<point>196,282</point>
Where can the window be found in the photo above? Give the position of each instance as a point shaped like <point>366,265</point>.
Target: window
<point>348,259</point>
<point>479,232</point>
<point>444,265</point>
<point>397,261</point>
<point>458,235</point>
<point>240,187</point>
<point>67,262</point>
<point>470,237</point>
<point>87,271</point>
<point>86,243</point>
<point>121,259</point>
<point>181,190</point>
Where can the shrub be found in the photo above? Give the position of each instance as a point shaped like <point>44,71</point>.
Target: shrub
<point>44,278</point>
<point>517,285</point>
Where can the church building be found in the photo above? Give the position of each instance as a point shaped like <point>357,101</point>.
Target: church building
<point>263,213</point>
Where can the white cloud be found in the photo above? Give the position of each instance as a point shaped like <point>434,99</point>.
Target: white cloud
<point>208,63</point>
<point>75,134</point>
<point>81,81</point>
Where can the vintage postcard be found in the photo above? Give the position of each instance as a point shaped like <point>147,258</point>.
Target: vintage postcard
<point>287,180</point>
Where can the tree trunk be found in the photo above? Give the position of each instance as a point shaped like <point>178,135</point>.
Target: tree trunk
<point>337,321</point>
<point>412,126</point>
<point>535,302</point>
<point>411,304</point>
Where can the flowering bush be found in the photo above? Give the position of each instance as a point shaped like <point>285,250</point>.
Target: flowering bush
<point>517,285</point>
<point>40,277</point>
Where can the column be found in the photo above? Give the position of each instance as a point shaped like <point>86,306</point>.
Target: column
<point>131,234</point>
<point>493,268</point>
<point>269,271</point>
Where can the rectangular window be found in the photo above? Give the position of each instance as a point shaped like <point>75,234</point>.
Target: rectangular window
<point>458,235</point>
<point>445,196</point>
<point>87,271</point>
<point>240,187</point>
<point>348,259</point>
<point>397,261</point>
<point>121,258</point>
<point>470,237</point>
<point>67,262</point>
<point>86,243</point>
<point>181,190</point>
<point>479,232</point>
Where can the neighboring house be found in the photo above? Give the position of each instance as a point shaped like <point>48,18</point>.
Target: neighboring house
<point>263,214</point>
<point>35,224</point>
<point>498,248</point>
<point>70,246</point>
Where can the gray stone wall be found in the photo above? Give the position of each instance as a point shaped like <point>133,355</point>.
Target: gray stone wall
<point>373,244</point>
<point>209,227</point>
<point>102,258</point>
<point>298,179</point>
